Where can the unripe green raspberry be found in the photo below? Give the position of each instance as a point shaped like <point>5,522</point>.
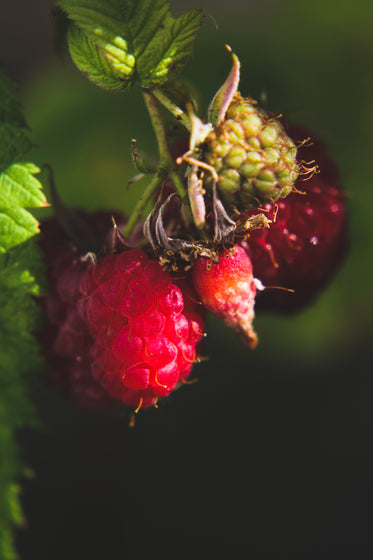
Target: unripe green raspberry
<point>252,155</point>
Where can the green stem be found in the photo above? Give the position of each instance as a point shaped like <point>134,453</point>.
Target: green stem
<point>180,187</point>
<point>174,109</point>
<point>159,127</point>
<point>143,201</point>
<point>166,167</point>
<point>166,159</point>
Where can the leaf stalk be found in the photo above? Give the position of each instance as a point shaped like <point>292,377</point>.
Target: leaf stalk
<point>174,109</point>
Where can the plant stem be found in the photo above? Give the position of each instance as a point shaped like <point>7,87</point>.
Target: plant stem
<point>166,159</point>
<point>179,184</point>
<point>142,202</point>
<point>159,129</point>
<point>166,167</point>
<point>174,109</point>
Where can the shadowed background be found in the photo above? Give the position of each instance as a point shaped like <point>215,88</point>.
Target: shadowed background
<point>271,450</point>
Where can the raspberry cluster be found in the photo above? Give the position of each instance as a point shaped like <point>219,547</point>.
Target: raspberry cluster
<point>124,325</point>
<point>253,217</point>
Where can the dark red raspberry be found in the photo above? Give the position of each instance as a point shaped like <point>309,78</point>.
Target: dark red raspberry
<point>66,340</point>
<point>227,288</point>
<point>145,327</point>
<point>307,240</point>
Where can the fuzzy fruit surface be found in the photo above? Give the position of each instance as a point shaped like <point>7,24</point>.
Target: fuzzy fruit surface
<point>307,240</point>
<point>144,325</point>
<point>253,156</point>
<point>227,289</point>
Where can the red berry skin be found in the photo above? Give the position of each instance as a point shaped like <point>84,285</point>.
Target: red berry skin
<point>307,241</point>
<point>227,289</point>
<point>65,340</point>
<point>144,327</point>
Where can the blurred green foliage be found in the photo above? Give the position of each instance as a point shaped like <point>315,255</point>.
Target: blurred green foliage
<point>20,272</point>
<point>311,62</point>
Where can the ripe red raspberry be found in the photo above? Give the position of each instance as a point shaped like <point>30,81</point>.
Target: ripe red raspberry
<point>227,288</point>
<point>307,240</point>
<point>145,327</point>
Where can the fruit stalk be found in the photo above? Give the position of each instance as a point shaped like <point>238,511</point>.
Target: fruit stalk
<point>166,166</point>
<point>157,179</point>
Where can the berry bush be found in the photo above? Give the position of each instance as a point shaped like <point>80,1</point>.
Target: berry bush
<point>235,212</point>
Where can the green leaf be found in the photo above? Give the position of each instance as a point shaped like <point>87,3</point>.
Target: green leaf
<point>18,190</point>
<point>121,43</point>
<point>20,274</point>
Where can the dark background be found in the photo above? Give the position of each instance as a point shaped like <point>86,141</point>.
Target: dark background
<point>269,454</point>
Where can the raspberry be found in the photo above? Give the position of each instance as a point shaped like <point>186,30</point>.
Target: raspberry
<point>122,330</point>
<point>307,240</point>
<point>241,158</point>
<point>66,340</point>
<point>254,158</point>
<point>227,288</point>
<point>145,327</point>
